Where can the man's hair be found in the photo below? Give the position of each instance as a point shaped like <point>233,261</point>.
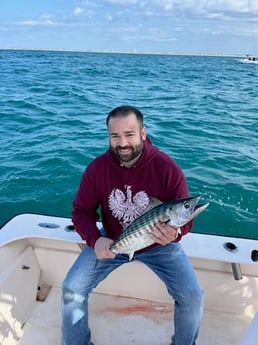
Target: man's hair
<point>125,110</point>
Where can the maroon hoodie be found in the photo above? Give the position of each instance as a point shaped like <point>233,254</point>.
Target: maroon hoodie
<point>120,194</point>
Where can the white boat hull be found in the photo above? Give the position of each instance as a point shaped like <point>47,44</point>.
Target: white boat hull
<point>35,256</point>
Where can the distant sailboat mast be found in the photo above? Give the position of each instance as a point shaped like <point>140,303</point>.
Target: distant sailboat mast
<point>251,56</point>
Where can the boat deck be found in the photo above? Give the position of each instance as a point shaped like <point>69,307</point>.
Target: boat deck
<point>37,251</point>
<point>124,321</point>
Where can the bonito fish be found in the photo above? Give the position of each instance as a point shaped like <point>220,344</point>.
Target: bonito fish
<point>176,213</point>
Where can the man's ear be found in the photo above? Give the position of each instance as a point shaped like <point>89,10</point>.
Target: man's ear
<point>143,133</point>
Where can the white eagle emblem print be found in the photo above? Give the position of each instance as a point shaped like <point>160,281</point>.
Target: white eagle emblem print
<point>125,206</point>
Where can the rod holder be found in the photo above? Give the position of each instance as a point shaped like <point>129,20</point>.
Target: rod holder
<point>236,271</point>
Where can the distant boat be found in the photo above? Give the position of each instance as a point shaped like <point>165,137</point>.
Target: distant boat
<point>251,58</point>
<point>132,305</point>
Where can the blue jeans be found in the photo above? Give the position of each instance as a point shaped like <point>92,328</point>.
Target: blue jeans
<point>169,262</point>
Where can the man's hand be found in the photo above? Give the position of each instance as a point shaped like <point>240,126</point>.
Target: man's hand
<point>163,233</point>
<point>102,250</point>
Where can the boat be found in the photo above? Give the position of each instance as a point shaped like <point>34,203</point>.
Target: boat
<point>132,305</point>
<point>250,57</point>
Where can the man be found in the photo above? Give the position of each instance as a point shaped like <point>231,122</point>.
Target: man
<point>122,181</point>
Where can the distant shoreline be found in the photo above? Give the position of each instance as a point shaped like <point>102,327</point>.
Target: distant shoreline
<point>125,52</point>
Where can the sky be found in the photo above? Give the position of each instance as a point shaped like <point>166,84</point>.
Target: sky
<point>157,26</point>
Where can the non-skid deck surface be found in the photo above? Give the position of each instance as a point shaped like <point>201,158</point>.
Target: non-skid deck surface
<point>124,321</point>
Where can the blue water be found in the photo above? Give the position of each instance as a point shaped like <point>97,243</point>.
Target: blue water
<point>203,111</point>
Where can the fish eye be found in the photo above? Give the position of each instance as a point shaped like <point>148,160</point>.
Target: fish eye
<point>186,204</point>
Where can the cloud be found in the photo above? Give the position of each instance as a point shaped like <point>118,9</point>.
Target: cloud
<point>42,20</point>
<point>209,8</point>
<point>109,17</point>
<point>78,11</point>
<point>74,17</point>
<point>131,10</point>
<point>122,2</point>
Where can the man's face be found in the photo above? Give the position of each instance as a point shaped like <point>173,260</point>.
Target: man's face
<point>126,138</point>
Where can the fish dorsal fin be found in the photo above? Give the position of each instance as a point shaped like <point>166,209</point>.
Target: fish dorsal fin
<point>153,202</point>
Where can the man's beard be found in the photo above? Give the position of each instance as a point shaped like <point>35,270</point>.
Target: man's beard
<point>135,151</point>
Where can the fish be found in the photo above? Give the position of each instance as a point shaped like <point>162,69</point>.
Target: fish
<point>176,213</point>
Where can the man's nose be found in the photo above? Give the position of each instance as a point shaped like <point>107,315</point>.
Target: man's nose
<point>123,141</point>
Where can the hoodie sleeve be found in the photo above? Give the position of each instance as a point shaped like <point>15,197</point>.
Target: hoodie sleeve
<point>85,206</point>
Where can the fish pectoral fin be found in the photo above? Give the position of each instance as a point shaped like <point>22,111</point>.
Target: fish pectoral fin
<point>171,223</point>
<point>130,255</point>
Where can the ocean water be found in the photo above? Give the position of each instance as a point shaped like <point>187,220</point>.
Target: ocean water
<point>203,111</point>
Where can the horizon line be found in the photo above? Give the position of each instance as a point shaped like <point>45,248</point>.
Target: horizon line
<point>127,52</point>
